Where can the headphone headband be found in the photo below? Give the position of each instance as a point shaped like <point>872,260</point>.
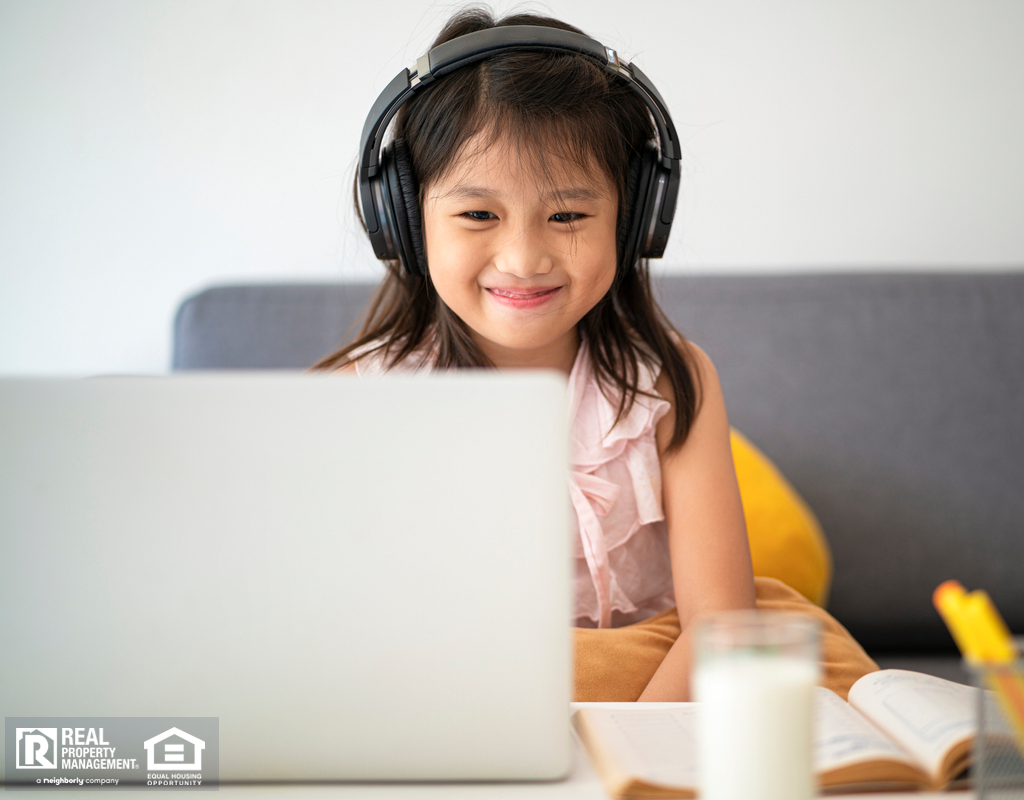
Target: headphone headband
<point>477,46</point>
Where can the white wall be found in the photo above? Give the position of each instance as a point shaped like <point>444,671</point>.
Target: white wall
<point>150,148</point>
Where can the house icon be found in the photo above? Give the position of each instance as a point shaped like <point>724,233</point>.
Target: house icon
<point>170,750</point>
<point>37,748</point>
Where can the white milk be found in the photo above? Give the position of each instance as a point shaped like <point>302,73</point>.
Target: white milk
<point>755,716</point>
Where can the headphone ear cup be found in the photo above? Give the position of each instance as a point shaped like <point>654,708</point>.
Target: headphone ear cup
<point>639,203</point>
<point>403,194</point>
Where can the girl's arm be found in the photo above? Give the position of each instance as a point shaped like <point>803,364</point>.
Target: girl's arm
<point>707,534</point>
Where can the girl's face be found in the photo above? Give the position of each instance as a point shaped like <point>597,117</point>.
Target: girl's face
<point>521,256</point>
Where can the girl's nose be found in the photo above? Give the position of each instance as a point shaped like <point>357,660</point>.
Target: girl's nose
<point>524,255</point>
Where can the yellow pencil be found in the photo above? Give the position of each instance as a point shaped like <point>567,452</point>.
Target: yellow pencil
<point>949,599</point>
<point>985,641</point>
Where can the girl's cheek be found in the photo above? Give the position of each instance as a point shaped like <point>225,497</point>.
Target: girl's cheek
<point>469,244</point>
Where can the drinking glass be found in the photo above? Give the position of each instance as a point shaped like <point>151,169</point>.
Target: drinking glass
<point>755,674</point>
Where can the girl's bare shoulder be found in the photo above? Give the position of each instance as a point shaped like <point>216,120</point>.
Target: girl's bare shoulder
<point>360,359</point>
<point>710,404</point>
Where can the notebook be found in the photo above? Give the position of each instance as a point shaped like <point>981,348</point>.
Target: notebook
<point>358,579</point>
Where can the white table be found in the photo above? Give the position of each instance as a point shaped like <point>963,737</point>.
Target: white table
<point>582,784</point>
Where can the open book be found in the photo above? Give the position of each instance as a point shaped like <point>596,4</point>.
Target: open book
<point>900,730</point>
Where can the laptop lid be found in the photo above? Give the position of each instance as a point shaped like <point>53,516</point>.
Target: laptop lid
<point>359,578</point>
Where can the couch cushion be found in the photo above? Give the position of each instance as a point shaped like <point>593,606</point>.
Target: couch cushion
<point>265,326</point>
<point>893,405</point>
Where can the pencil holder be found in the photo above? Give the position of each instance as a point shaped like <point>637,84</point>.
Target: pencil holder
<point>998,767</point>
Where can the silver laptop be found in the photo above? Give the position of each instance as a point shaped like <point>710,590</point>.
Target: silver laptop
<point>358,579</point>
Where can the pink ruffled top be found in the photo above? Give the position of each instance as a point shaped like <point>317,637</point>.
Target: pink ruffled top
<point>623,573</point>
<point>622,568</point>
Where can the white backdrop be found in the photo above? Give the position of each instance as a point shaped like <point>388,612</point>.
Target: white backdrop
<point>148,149</point>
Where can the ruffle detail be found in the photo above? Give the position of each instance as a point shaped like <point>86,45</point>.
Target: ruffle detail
<point>621,552</point>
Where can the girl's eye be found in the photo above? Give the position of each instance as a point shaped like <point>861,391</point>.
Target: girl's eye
<point>567,216</point>
<point>479,216</point>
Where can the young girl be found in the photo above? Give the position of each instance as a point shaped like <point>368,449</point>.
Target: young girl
<point>519,176</point>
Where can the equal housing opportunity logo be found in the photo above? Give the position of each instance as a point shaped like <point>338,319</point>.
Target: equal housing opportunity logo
<point>167,751</point>
<point>111,752</point>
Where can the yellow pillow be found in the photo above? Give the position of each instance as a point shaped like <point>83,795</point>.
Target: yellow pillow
<point>786,541</point>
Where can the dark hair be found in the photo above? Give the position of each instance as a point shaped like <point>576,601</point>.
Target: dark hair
<point>543,103</point>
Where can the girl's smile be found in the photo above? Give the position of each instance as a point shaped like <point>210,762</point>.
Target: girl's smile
<point>521,253</point>
<point>522,298</point>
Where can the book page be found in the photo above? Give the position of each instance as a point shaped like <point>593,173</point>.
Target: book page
<point>657,746</point>
<point>843,737</point>
<point>928,716</point>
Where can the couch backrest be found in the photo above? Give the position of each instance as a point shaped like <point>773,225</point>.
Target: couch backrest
<point>893,402</point>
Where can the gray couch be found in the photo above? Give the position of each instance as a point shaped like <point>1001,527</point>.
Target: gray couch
<point>893,402</point>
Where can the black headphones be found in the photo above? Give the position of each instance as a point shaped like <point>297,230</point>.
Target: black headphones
<point>388,190</point>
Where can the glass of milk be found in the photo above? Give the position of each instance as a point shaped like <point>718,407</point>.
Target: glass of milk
<point>754,678</point>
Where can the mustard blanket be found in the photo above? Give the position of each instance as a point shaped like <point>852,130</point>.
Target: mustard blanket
<point>615,664</point>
